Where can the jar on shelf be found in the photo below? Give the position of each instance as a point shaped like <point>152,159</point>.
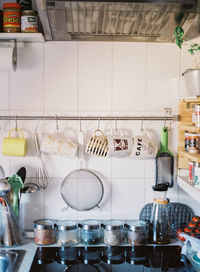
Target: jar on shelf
<point>197,115</point>
<point>29,21</point>
<point>193,143</point>
<point>114,232</point>
<point>11,17</point>
<point>67,233</point>
<point>44,232</point>
<point>91,232</point>
<point>137,232</point>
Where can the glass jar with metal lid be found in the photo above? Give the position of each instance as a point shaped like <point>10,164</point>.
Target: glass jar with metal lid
<point>91,232</point>
<point>11,17</point>
<point>137,231</point>
<point>114,233</point>
<point>29,21</point>
<point>67,233</point>
<point>44,232</point>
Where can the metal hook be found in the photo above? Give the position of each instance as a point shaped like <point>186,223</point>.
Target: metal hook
<point>115,123</point>
<point>165,121</point>
<point>141,127</point>
<point>80,125</point>
<point>99,119</point>
<point>16,122</point>
<point>57,127</point>
<point>38,122</point>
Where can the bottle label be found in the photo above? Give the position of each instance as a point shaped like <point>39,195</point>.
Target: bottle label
<point>29,23</point>
<point>11,19</point>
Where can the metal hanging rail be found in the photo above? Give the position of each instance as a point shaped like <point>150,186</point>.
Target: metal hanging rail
<point>92,118</point>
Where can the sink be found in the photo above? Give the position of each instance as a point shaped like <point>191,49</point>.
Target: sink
<point>10,260</point>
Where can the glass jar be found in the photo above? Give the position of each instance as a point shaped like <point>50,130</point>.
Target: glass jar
<point>11,17</point>
<point>67,233</point>
<point>29,21</point>
<point>44,232</point>
<point>114,233</point>
<point>137,231</point>
<point>91,233</point>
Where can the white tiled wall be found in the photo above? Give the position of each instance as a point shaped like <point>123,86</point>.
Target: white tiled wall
<point>70,78</point>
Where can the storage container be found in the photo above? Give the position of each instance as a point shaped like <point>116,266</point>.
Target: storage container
<point>114,233</point>
<point>91,232</point>
<point>67,233</point>
<point>44,232</point>
<point>137,232</point>
<point>11,17</point>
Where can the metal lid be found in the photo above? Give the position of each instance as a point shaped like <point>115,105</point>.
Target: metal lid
<point>29,11</point>
<point>42,224</point>
<point>90,224</point>
<point>67,225</point>
<point>137,225</point>
<point>113,224</point>
<point>161,187</point>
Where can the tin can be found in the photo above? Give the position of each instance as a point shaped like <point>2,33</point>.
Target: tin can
<point>197,173</point>
<point>191,171</point>
<point>193,143</point>
<point>197,115</point>
<point>187,141</point>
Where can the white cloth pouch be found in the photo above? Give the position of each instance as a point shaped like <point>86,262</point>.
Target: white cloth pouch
<point>58,144</point>
<point>143,147</point>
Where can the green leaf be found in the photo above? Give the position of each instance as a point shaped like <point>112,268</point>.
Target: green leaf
<point>178,34</point>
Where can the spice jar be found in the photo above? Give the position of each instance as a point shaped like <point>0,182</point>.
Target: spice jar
<point>91,232</point>
<point>197,115</point>
<point>114,233</point>
<point>137,231</point>
<point>67,233</point>
<point>193,143</point>
<point>29,21</point>
<point>44,232</point>
<point>11,17</point>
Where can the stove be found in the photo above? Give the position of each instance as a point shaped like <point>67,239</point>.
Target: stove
<point>110,258</point>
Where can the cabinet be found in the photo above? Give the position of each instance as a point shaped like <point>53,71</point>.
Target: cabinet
<point>185,124</point>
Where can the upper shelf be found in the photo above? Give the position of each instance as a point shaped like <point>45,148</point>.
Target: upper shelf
<point>192,157</point>
<point>190,128</point>
<point>23,37</point>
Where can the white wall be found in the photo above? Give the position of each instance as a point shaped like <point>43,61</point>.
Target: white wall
<point>74,78</point>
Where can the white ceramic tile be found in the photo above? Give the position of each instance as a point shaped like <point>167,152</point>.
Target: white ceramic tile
<point>54,205</point>
<point>150,168</point>
<point>129,61</point>
<point>127,168</point>
<point>4,90</point>
<point>95,71</point>
<point>26,83</point>
<point>60,76</point>
<point>162,76</point>
<point>127,197</point>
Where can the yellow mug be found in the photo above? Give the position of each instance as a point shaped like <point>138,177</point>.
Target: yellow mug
<point>14,146</point>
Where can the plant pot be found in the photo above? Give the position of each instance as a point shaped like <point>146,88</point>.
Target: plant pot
<point>192,82</point>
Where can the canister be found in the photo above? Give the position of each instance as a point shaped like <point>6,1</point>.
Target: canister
<point>137,232</point>
<point>44,232</point>
<point>191,171</point>
<point>67,233</point>
<point>187,146</point>
<point>91,232</point>
<point>197,174</point>
<point>197,115</point>
<point>114,232</point>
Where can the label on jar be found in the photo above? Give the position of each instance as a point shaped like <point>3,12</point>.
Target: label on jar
<point>11,19</point>
<point>29,23</point>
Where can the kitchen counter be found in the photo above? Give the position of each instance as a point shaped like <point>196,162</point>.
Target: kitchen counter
<point>30,248</point>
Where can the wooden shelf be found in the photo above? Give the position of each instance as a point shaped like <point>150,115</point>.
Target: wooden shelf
<point>23,37</point>
<point>190,128</point>
<point>190,156</point>
<point>183,182</point>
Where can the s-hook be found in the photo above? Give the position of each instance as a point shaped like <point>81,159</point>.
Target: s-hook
<point>57,127</point>
<point>16,123</point>
<point>116,124</point>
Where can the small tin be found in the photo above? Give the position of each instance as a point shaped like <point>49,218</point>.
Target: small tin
<point>193,143</point>
<point>197,174</point>
<point>187,141</point>
<point>191,171</point>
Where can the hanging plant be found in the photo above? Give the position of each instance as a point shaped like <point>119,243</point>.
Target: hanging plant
<point>194,48</point>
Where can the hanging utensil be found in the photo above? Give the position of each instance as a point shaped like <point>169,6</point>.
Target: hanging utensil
<point>81,189</point>
<point>164,161</point>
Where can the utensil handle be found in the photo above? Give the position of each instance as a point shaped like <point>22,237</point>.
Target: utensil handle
<point>37,146</point>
